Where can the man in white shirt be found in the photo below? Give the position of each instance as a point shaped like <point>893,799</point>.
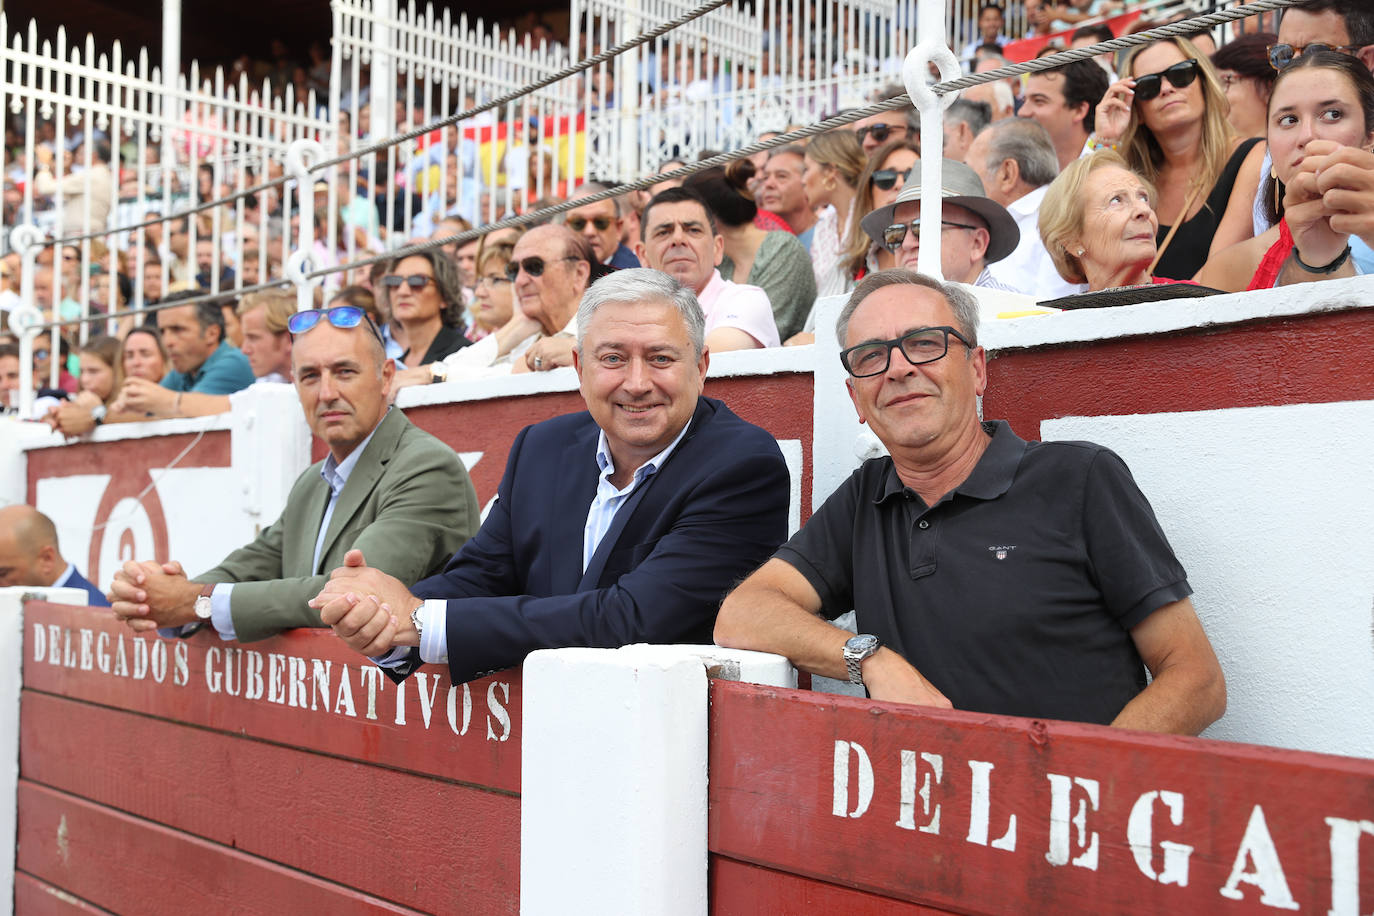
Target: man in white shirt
<point>1016,162</point>
<point>679,236</point>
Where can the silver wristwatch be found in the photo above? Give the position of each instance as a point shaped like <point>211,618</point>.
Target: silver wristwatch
<point>415,620</point>
<point>202,605</point>
<point>856,649</point>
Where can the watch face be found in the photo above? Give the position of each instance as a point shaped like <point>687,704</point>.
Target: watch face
<point>863,643</point>
<point>202,607</point>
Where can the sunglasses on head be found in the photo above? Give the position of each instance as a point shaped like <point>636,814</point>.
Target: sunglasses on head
<point>578,223</point>
<point>1281,56</point>
<point>1179,75</point>
<point>534,266</point>
<point>415,281</point>
<point>340,316</point>
<point>886,179</point>
<point>880,132</point>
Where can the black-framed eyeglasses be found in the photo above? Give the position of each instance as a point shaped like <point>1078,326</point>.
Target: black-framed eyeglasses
<point>895,235</point>
<point>534,266</point>
<point>340,316</point>
<point>1282,55</point>
<point>886,179</point>
<point>414,281</point>
<point>879,132</point>
<point>578,223</point>
<point>921,346</point>
<point>1179,75</point>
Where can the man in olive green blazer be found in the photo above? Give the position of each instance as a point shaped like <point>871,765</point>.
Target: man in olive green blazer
<point>387,488</point>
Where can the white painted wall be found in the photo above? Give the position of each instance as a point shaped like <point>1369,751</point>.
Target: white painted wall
<point>1270,510</point>
<point>614,766</point>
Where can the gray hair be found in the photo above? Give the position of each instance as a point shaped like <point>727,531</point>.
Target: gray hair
<point>587,189</point>
<point>975,114</point>
<point>1027,143</point>
<point>641,284</point>
<point>961,302</point>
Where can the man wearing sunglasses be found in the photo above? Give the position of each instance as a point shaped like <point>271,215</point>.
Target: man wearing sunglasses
<point>624,523</point>
<point>600,223</point>
<point>386,488</point>
<point>975,231</point>
<point>875,130</point>
<point>987,573</point>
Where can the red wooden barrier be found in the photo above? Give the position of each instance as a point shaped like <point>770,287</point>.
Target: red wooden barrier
<point>991,814</point>
<point>164,776</point>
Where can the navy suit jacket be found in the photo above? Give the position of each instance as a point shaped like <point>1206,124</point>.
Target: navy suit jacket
<point>623,258</point>
<point>76,580</point>
<point>714,512</point>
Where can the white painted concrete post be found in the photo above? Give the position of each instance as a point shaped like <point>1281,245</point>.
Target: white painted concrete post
<point>12,661</point>
<point>613,776</point>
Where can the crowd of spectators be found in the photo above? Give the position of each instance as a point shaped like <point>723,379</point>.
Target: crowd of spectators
<point>1156,165</point>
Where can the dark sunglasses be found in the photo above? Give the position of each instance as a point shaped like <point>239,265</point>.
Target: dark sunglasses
<point>341,316</point>
<point>578,223</point>
<point>894,235</point>
<point>1179,75</point>
<point>1281,56</point>
<point>880,132</point>
<point>886,179</point>
<point>534,266</point>
<point>415,281</point>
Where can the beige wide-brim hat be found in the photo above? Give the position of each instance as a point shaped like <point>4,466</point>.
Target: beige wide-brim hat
<point>960,186</point>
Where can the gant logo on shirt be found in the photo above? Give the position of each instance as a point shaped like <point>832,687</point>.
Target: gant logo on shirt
<point>1000,552</point>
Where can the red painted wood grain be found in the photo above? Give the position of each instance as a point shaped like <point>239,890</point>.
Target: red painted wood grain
<point>741,889</point>
<point>429,843</point>
<point>317,720</point>
<point>127,865</point>
<point>1309,359</point>
<point>33,897</point>
<point>772,798</point>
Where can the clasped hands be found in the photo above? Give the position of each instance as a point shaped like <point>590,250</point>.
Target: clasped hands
<point>368,609</point>
<point>148,595</point>
<point>1329,198</point>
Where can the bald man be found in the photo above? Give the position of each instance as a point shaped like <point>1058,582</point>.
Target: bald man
<point>29,554</point>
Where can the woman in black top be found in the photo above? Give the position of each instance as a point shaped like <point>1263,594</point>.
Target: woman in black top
<point>427,303</point>
<point>1168,119</point>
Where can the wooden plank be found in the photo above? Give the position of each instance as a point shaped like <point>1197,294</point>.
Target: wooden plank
<point>918,804</point>
<point>34,897</point>
<point>126,865</point>
<point>311,812</point>
<point>1207,369</point>
<point>303,688</point>
<point>741,889</point>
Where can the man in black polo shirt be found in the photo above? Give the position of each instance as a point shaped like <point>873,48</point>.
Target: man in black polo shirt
<point>987,573</point>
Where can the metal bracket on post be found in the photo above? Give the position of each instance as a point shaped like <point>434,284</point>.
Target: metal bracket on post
<point>26,241</point>
<point>931,49</point>
<point>300,156</point>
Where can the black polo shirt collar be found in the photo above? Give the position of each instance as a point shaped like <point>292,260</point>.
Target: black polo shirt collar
<point>992,475</point>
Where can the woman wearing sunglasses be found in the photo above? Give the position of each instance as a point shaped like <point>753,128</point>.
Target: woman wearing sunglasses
<point>1320,122</point>
<point>879,184</point>
<point>1168,118</point>
<point>771,259</point>
<point>426,302</point>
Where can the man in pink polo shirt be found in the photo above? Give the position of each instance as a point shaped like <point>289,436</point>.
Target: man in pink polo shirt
<point>678,235</point>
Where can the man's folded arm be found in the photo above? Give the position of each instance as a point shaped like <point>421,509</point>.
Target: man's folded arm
<point>420,522</point>
<point>732,521</point>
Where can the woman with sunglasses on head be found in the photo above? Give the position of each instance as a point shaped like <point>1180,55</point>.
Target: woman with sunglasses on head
<point>1168,119</point>
<point>1321,191</point>
<point>830,176</point>
<point>426,300</point>
<point>772,260</point>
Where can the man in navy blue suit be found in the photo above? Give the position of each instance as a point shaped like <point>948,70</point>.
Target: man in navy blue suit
<point>29,554</point>
<point>626,523</point>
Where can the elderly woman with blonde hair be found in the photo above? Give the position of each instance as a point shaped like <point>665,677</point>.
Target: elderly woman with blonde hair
<point>1098,223</point>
